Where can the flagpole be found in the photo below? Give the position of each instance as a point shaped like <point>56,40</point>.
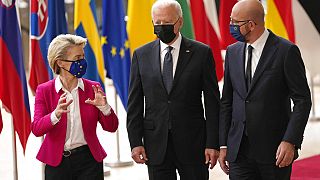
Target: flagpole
<point>118,162</point>
<point>14,152</point>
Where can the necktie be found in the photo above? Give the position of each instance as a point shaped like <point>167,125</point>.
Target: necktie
<point>167,72</point>
<point>248,69</point>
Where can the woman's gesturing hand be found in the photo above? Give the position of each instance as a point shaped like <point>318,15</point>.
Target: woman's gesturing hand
<point>99,97</point>
<point>62,105</point>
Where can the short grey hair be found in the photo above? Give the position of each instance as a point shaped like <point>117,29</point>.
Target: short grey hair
<point>167,3</point>
<point>59,46</point>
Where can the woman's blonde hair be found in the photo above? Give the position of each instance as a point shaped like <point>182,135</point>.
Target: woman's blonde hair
<point>59,46</point>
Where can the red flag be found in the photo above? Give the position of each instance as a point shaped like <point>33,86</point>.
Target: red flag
<point>47,20</point>
<point>279,18</point>
<point>203,14</point>
<point>13,85</point>
<point>224,21</point>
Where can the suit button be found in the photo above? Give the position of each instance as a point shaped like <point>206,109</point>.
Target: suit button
<point>169,102</point>
<point>247,101</point>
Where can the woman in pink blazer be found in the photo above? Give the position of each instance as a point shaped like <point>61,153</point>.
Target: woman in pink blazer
<point>67,110</point>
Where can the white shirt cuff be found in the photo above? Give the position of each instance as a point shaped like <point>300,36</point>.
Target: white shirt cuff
<point>53,118</point>
<point>106,109</point>
<point>223,147</point>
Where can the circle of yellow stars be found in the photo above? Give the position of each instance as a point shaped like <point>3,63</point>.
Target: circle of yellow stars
<point>113,50</point>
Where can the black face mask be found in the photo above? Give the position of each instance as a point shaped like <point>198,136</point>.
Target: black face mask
<point>165,32</point>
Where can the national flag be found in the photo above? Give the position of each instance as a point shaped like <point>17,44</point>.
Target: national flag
<point>205,23</point>
<point>13,85</point>
<point>307,30</point>
<point>311,8</point>
<point>140,27</point>
<point>279,18</point>
<point>187,28</point>
<point>86,25</point>
<point>47,20</point>
<point>224,21</point>
<point>115,46</point>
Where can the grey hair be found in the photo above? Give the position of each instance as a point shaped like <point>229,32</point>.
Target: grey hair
<point>167,3</point>
<point>59,46</point>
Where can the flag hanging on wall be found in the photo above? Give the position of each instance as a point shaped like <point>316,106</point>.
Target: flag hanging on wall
<point>140,28</point>
<point>86,25</point>
<point>224,21</point>
<point>206,28</point>
<point>187,28</point>
<point>47,20</point>
<point>13,85</point>
<point>307,32</point>
<point>279,18</point>
<point>115,46</point>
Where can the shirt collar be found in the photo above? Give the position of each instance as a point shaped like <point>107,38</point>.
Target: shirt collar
<point>261,41</point>
<point>58,85</point>
<point>176,44</point>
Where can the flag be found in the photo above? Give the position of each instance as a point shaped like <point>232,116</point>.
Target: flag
<point>86,25</point>
<point>307,32</point>
<point>187,28</point>
<point>47,20</point>
<point>205,23</point>
<point>140,27</point>
<point>115,46</point>
<point>311,10</point>
<point>224,21</point>
<point>13,85</point>
<point>279,18</point>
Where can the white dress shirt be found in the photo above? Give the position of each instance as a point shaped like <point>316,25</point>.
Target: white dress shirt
<point>258,46</point>
<point>175,52</point>
<point>74,136</point>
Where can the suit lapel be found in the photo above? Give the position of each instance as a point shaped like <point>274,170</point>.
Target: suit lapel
<point>265,59</point>
<point>240,63</point>
<point>184,57</point>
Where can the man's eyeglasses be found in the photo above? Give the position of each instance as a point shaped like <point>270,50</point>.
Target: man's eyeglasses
<point>240,23</point>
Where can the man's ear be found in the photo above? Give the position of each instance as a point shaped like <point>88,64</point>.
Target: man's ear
<point>181,23</point>
<point>253,25</point>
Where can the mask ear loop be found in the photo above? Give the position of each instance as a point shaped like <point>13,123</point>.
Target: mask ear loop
<point>248,31</point>
<point>64,68</point>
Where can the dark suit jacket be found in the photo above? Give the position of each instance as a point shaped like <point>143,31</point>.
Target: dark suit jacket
<point>265,108</point>
<point>150,107</point>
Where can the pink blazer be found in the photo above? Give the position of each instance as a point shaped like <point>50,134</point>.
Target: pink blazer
<point>52,147</point>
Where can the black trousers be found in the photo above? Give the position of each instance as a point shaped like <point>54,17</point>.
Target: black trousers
<point>246,168</point>
<point>168,168</point>
<point>80,165</point>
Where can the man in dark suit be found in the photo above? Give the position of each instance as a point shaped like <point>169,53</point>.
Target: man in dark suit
<point>166,125</point>
<point>259,132</point>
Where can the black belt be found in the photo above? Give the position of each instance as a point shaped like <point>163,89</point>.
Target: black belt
<point>68,153</point>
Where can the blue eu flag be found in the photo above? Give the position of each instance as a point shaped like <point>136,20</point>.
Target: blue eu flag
<point>115,46</point>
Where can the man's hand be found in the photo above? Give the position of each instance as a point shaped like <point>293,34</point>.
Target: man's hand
<point>138,154</point>
<point>285,154</point>
<point>62,105</point>
<point>211,157</point>
<point>222,160</point>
